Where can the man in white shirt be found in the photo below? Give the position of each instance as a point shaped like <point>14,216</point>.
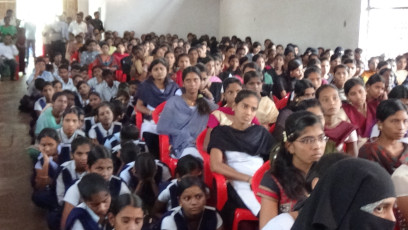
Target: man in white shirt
<point>109,87</point>
<point>58,36</point>
<point>31,29</point>
<point>78,26</point>
<point>63,77</point>
<point>8,51</point>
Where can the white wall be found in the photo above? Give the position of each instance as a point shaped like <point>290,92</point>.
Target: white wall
<point>160,16</point>
<point>326,23</point>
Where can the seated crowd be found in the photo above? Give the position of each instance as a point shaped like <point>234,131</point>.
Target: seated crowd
<point>294,135</point>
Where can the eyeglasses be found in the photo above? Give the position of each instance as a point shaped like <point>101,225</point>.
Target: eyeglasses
<point>312,140</point>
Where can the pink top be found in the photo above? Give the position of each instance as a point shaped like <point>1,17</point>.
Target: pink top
<point>215,79</point>
<point>214,122</point>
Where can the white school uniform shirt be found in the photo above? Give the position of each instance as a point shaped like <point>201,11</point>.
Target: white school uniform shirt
<point>94,84</point>
<point>73,197</point>
<point>164,196</point>
<point>78,226</point>
<point>105,133</point>
<point>67,85</point>
<point>64,138</point>
<point>125,174</point>
<point>60,187</point>
<point>282,221</point>
<point>169,223</point>
<point>106,92</point>
<point>37,105</point>
<point>52,163</point>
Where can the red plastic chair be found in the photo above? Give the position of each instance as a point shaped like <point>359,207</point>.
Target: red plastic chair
<point>157,111</point>
<point>256,179</point>
<point>280,104</point>
<point>208,176</point>
<point>272,128</point>
<point>139,121</point>
<point>164,147</point>
<point>240,214</point>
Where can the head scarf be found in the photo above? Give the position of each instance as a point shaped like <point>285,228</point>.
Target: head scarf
<point>339,196</point>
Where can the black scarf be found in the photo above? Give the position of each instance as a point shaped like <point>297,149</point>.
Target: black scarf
<point>254,140</point>
<point>336,201</point>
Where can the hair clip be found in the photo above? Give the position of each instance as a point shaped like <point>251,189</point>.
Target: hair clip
<point>285,138</point>
<point>200,95</point>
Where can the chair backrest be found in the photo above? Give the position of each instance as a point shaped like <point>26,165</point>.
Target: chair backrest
<point>157,111</point>
<point>208,176</point>
<point>139,121</point>
<point>164,149</point>
<point>256,179</point>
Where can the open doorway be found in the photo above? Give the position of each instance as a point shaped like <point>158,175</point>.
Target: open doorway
<point>38,13</point>
<point>384,28</point>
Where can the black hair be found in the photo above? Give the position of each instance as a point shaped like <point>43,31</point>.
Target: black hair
<point>145,166</point>
<point>202,105</point>
<point>374,79</point>
<point>399,57</point>
<point>245,94</point>
<point>90,184</point>
<point>291,178</point>
<point>288,50</point>
<point>341,66</point>
<point>129,151</point>
<point>201,67</point>
<point>106,72</point>
<point>181,56</point>
<point>39,83</point>
<point>320,167</point>
<point>323,87</point>
<point>312,69</point>
<point>229,81</point>
<point>252,74</point>
<point>381,64</point>
<point>68,92</point>
<point>46,83</point>
<point>349,61</point>
<point>48,132</point>
<point>335,56</point>
<point>301,86</point>
<point>105,104</point>
<point>256,57</point>
<point>305,104</point>
<point>398,92</point>
<point>129,133</point>
<point>188,182</point>
<point>388,108</point>
<point>78,141</point>
<point>124,200</point>
<point>95,94</point>
<point>294,64</point>
<point>81,83</point>
<point>74,110</point>
<point>98,152</point>
<point>383,71</point>
<point>157,61</point>
<point>350,83</point>
<point>53,82</point>
<point>63,66</point>
<point>187,164</point>
<point>57,95</point>
<point>232,57</point>
<point>251,65</point>
<point>313,62</point>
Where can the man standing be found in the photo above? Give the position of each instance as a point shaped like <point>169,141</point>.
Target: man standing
<point>58,37</point>
<point>97,23</point>
<point>78,26</point>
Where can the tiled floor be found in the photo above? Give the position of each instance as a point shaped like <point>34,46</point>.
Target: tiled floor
<point>16,209</point>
